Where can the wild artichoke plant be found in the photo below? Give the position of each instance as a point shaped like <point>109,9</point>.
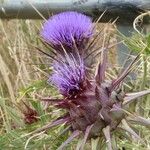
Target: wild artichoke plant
<point>95,107</point>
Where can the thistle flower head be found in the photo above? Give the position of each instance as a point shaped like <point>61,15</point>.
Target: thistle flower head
<point>95,107</point>
<point>66,28</point>
<point>69,76</point>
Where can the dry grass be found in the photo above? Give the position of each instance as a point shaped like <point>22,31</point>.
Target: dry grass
<point>18,58</point>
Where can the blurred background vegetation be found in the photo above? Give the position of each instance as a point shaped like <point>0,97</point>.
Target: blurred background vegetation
<point>23,79</point>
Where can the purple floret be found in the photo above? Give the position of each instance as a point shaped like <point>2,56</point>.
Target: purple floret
<point>68,77</point>
<point>64,27</point>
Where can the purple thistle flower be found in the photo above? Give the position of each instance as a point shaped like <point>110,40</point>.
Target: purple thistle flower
<point>66,28</point>
<point>93,104</point>
<point>69,76</point>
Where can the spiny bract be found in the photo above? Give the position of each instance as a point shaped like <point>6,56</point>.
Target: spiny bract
<point>94,106</point>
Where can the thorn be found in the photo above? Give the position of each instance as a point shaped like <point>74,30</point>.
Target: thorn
<point>140,120</point>
<point>129,98</point>
<point>50,125</point>
<point>100,74</point>
<point>101,116</point>
<point>46,54</point>
<point>87,132</point>
<point>106,132</point>
<point>75,134</point>
<point>127,128</point>
<point>121,77</point>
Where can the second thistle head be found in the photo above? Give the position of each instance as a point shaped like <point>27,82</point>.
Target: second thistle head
<point>69,76</point>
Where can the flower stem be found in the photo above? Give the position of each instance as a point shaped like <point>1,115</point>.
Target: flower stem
<point>144,73</point>
<point>144,79</point>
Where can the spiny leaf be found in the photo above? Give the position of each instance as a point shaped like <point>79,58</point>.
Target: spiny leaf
<point>88,129</point>
<point>75,134</point>
<point>129,129</point>
<point>140,120</point>
<point>130,97</point>
<point>50,125</point>
<point>107,135</point>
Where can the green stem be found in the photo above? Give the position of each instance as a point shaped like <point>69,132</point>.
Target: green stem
<point>144,73</point>
<point>144,79</point>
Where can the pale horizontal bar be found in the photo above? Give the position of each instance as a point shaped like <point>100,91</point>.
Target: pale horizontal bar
<point>124,10</point>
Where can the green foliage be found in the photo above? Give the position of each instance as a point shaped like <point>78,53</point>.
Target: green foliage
<point>137,42</point>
